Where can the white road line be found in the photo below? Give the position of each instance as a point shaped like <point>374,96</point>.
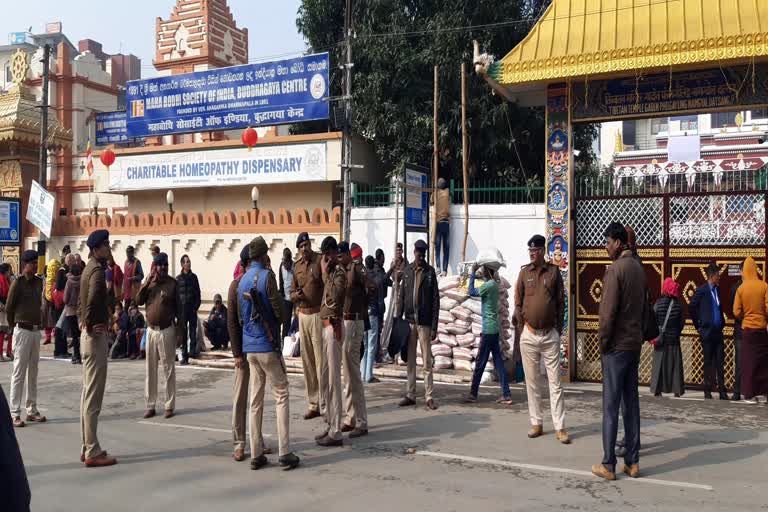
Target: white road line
<point>482,386</point>
<point>190,427</point>
<point>550,469</point>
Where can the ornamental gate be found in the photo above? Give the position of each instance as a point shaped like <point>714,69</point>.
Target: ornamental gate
<point>685,217</point>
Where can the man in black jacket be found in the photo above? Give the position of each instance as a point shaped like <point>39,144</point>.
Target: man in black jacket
<point>420,301</point>
<point>707,316</point>
<point>189,293</point>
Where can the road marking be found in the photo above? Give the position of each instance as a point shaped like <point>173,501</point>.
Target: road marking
<point>550,469</point>
<point>190,427</point>
<point>483,386</point>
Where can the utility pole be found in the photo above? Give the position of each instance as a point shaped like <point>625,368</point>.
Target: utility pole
<point>43,172</point>
<point>346,167</point>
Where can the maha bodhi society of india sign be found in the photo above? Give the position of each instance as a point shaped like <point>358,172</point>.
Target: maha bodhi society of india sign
<point>691,91</point>
<point>269,93</point>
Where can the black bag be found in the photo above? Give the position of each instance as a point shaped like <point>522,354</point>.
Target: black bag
<point>650,327</point>
<point>398,339</point>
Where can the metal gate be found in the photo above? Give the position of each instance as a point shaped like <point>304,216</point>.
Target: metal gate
<point>683,221</point>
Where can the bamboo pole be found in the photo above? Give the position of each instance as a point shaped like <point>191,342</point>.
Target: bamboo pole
<point>435,165</point>
<point>465,162</point>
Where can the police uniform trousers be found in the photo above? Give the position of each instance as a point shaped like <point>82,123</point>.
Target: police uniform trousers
<point>240,405</point>
<point>537,346</point>
<point>313,359</point>
<point>94,350</point>
<point>26,352</point>
<point>420,334</point>
<point>333,349</point>
<point>268,366</point>
<point>355,413</point>
<point>161,348</point>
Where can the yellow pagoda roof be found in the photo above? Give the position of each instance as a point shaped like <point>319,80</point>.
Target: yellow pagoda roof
<point>576,38</point>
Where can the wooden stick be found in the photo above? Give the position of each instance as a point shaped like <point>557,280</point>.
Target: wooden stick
<point>435,165</point>
<point>465,161</point>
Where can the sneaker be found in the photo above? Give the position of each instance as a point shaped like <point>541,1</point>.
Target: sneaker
<point>289,461</point>
<point>603,472</point>
<point>259,462</point>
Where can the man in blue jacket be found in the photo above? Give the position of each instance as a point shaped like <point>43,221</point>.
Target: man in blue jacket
<point>260,317</point>
<point>707,315</point>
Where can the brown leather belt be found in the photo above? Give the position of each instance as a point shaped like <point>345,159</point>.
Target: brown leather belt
<point>309,311</point>
<point>353,316</point>
<point>27,326</point>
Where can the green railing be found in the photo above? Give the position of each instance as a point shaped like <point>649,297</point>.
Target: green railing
<point>496,191</point>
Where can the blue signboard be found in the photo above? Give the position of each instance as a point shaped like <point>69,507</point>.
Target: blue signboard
<point>111,128</point>
<point>269,93</point>
<point>10,225</point>
<point>17,38</point>
<point>416,201</point>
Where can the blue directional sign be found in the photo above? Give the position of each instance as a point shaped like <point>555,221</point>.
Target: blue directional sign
<point>268,93</point>
<point>416,201</point>
<point>10,221</point>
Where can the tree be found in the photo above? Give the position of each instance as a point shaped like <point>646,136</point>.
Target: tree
<point>397,44</point>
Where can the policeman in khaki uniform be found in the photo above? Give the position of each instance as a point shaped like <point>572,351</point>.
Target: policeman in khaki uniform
<point>332,312</point>
<point>242,369</point>
<point>359,288</point>
<point>94,322</point>
<point>540,310</point>
<point>307,294</point>
<point>259,315</point>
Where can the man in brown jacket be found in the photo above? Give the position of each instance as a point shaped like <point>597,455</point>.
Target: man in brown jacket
<point>94,322</point>
<point>540,310</point>
<point>306,294</point>
<point>620,333</point>
<point>165,332</point>
<point>332,312</point>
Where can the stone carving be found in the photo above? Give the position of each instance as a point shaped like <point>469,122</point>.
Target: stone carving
<point>10,175</point>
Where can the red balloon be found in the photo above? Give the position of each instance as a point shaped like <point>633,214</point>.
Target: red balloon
<point>107,157</point>
<point>250,137</point>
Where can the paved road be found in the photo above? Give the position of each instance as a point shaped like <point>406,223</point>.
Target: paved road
<point>696,455</point>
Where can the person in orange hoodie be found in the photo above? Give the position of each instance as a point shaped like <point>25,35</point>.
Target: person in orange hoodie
<point>751,307</point>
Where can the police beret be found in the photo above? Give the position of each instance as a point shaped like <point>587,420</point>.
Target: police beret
<point>244,254</point>
<point>343,247</point>
<point>257,248</point>
<point>29,256</point>
<point>97,238</point>
<point>66,249</point>
<point>130,248</point>
<point>329,244</point>
<point>303,237</point>
<point>161,260</point>
<point>356,251</point>
<point>420,246</point>
<point>537,241</point>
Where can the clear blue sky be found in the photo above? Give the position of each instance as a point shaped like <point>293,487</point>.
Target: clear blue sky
<point>129,25</point>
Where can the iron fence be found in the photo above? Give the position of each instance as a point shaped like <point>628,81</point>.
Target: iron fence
<point>496,191</point>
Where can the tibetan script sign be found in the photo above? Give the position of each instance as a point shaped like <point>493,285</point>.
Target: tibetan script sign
<point>651,95</point>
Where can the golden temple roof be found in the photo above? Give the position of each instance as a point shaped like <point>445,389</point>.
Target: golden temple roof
<point>576,38</point>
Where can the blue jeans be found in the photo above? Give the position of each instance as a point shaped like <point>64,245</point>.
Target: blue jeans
<point>620,375</point>
<point>371,349</point>
<point>442,236</point>
<point>490,345</point>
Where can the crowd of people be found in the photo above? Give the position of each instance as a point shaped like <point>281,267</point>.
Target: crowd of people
<point>335,300</point>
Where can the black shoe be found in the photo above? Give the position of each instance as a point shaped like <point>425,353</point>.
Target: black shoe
<point>621,451</point>
<point>724,395</point>
<point>405,402</point>
<point>328,442</point>
<point>707,395</point>
<point>289,462</point>
<point>184,362</point>
<point>657,394</point>
<point>358,432</point>
<point>321,435</point>
<point>259,462</point>
<point>736,397</point>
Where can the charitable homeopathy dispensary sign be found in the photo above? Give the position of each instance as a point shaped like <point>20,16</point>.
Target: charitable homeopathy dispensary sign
<point>221,167</point>
<point>268,93</point>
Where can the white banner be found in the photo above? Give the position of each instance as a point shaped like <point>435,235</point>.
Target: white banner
<point>40,209</point>
<point>220,167</point>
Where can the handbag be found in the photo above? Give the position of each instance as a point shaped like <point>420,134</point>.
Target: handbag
<point>658,343</point>
<point>650,327</point>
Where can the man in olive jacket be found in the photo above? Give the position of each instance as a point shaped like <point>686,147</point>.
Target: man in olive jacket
<point>420,302</point>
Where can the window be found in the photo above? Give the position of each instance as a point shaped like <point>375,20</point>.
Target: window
<point>723,119</point>
<point>8,73</point>
<point>760,113</point>
<point>659,124</point>
<point>629,133</point>
<point>687,123</point>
